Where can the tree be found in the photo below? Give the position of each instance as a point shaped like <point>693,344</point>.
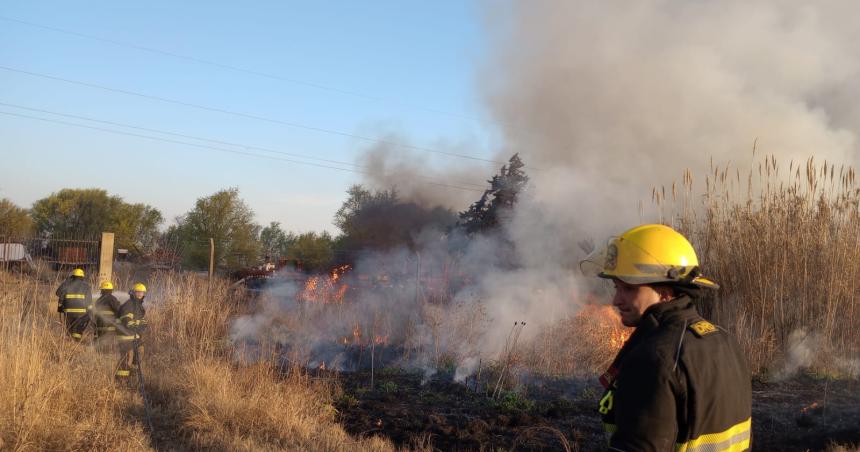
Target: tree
<point>136,227</point>
<point>224,217</point>
<point>315,251</point>
<point>380,220</point>
<point>274,241</point>
<point>86,213</point>
<point>75,213</point>
<point>498,201</point>
<point>15,222</point>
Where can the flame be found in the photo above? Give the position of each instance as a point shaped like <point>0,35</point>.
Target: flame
<point>322,366</point>
<point>608,322</point>
<point>326,288</point>
<point>812,406</point>
<point>380,340</point>
<point>356,334</point>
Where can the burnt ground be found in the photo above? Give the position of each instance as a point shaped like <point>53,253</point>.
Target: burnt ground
<point>451,416</point>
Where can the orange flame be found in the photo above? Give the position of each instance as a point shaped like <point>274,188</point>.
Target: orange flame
<point>605,319</point>
<point>326,289</point>
<point>812,406</point>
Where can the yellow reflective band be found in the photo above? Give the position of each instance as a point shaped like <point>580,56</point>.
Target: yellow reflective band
<point>110,313</point>
<point>122,373</point>
<point>76,335</point>
<point>75,310</point>
<point>125,338</point>
<point>129,315</point>
<point>75,296</point>
<point>107,328</point>
<point>606,403</point>
<point>733,439</point>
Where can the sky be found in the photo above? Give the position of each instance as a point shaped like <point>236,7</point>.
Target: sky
<point>391,70</point>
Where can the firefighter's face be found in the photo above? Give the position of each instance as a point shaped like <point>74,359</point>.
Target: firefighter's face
<point>139,295</point>
<point>632,300</point>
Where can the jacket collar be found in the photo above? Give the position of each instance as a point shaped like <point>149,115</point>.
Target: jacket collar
<point>663,312</point>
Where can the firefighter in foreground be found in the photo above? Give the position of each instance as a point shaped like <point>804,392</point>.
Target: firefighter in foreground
<point>104,313</point>
<point>131,323</point>
<point>74,302</point>
<point>680,382</point>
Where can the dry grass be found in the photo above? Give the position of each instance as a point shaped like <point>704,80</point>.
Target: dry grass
<point>59,395</point>
<point>785,249</point>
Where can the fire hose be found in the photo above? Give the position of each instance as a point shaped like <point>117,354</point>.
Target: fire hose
<point>136,360</point>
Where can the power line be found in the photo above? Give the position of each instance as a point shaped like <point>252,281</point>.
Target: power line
<point>244,146</point>
<point>246,115</point>
<point>231,67</point>
<point>233,151</point>
<point>147,129</point>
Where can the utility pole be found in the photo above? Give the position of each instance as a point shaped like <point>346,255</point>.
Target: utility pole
<point>211,263</point>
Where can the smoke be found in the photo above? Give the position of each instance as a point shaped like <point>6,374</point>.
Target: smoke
<point>602,100</point>
<point>612,98</point>
<point>808,350</point>
<point>418,178</point>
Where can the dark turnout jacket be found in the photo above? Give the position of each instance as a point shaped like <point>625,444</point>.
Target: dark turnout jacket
<point>74,297</point>
<point>131,317</point>
<point>104,312</point>
<point>679,383</point>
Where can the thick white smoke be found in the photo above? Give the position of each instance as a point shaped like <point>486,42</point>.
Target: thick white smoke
<point>604,100</point>
<point>612,97</point>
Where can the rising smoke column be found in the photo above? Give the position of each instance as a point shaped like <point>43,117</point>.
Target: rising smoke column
<point>604,100</point>
<point>614,97</point>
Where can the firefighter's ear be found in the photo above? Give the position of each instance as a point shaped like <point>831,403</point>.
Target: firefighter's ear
<point>665,291</point>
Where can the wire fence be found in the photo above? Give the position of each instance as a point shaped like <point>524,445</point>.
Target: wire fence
<point>57,253</point>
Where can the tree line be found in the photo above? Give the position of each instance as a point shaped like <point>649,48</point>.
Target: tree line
<point>367,220</point>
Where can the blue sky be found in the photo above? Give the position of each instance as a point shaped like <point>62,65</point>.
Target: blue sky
<point>409,57</point>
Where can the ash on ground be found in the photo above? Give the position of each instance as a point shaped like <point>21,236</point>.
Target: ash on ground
<point>547,413</point>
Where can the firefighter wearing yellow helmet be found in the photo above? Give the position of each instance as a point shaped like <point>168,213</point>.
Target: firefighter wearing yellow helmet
<point>679,382</point>
<point>74,301</point>
<point>131,318</point>
<point>104,313</point>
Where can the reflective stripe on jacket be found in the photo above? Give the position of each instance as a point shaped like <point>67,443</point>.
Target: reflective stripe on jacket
<point>679,383</point>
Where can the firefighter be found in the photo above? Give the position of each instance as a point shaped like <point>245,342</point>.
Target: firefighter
<point>131,323</point>
<point>104,312</point>
<point>680,382</point>
<point>74,301</point>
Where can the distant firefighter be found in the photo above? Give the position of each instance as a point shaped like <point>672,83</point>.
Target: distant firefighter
<point>131,323</point>
<point>104,312</point>
<point>74,301</point>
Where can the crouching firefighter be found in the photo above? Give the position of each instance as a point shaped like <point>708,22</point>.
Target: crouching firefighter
<point>680,382</point>
<point>131,323</point>
<point>74,301</point>
<point>104,313</point>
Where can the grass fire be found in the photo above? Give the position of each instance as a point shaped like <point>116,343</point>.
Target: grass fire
<point>434,226</point>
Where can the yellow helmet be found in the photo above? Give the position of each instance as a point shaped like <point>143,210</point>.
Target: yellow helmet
<point>79,272</point>
<point>139,287</point>
<point>648,254</point>
<point>107,285</point>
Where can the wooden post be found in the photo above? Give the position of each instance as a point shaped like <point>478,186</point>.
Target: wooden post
<point>211,262</point>
<point>106,258</point>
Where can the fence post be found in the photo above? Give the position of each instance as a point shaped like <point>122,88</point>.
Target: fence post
<point>211,263</point>
<point>106,258</point>
<point>5,244</point>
